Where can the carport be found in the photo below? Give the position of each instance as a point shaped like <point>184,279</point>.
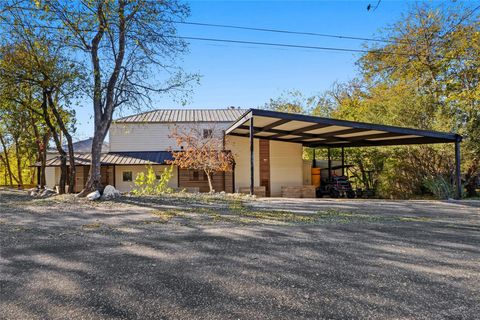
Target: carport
<point>318,132</point>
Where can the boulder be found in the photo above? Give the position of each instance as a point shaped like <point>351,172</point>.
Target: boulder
<point>93,195</point>
<point>110,193</point>
<point>46,193</point>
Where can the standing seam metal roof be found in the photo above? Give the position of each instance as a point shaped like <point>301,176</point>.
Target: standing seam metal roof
<point>185,115</point>
<point>118,158</point>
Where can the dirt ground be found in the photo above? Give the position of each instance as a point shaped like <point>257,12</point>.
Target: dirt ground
<point>183,257</point>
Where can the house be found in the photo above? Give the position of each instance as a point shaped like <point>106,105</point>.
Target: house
<point>138,140</point>
<point>267,147</point>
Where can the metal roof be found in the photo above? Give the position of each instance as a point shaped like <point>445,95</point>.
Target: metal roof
<point>82,146</point>
<point>118,158</point>
<point>312,131</point>
<point>185,115</point>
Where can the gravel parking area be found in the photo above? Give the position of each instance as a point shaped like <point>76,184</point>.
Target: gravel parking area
<point>201,258</point>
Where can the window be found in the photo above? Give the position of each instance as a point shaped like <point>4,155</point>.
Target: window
<point>207,133</point>
<point>127,176</point>
<point>197,175</point>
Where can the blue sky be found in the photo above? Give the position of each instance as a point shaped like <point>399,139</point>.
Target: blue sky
<point>249,75</point>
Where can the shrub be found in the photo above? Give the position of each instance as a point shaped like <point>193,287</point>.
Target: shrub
<point>440,187</point>
<point>146,183</point>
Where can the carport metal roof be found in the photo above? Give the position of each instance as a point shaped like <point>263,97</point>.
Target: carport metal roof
<point>312,131</point>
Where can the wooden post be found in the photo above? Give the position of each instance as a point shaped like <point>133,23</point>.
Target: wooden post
<point>329,166</point>
<point>114,176</point>
<point>343,161</point>
<point>252,170</point>
<point>458,176</point>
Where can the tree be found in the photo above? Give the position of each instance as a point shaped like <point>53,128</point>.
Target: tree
<point>36,79</point>
<point>131,46</point>
<point>429,80</point>
<point>17,140</point>
<point>293,101</point>
<point>201,149</point>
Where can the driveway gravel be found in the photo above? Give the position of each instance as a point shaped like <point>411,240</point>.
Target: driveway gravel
<point>150,258</point>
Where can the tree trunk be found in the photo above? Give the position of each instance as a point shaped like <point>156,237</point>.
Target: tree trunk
<point>6,160</point>
<point>103,108</point>
<point>94,181</point>
<point>58,144</point>
<point>71,155</point>
<point>210,184</point>
<point>42,142</point>
<point>19,163</point>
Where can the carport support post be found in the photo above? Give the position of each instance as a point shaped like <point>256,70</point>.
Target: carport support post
<point>343,161</point>
<point>458,177</point>
<point>251,157</point>
<point>329,166</point>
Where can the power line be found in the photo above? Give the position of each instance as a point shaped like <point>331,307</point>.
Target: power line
<point>280,31</point>
<point>204,24</point>
<point>289,45</point>
<point>270,44</point>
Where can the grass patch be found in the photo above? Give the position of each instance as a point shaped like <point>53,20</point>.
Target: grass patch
<point>283,216</point>
<point>415,219</point>
<point>238,208</point>
<point>165,216</point>
<point>91,226</point>
<point>345,217</point>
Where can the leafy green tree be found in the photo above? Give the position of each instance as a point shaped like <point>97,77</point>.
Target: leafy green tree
<point>37,79</point>
<point>429,79</point>
<point>129,49</point>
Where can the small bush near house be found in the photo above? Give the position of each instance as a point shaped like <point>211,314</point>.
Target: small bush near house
<point>440,187</point>
<point>146,183</point>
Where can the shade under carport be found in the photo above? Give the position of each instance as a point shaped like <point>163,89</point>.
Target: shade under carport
<point>312,131</point>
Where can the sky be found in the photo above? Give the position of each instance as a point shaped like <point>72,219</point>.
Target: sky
<point>247,76</point>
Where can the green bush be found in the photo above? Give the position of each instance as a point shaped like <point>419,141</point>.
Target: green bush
<point>146,183</point>
<point>440,187</point>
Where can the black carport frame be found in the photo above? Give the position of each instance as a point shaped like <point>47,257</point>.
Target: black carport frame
<point>314,132</point>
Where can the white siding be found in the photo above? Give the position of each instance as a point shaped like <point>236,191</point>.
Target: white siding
<point>151,136</point>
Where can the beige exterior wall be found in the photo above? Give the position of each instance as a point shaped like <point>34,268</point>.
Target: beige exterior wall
<point>240,148</point>
<point>286,164</point>
<point>125,186</point>
<point>52,176</point>
<point>151,136</point>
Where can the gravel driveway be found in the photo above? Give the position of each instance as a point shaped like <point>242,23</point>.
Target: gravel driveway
<point>192,259</point>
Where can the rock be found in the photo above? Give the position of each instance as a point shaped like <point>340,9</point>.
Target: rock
<point>110,193</point>
<point>93,195</point>
<point>46,193</point>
